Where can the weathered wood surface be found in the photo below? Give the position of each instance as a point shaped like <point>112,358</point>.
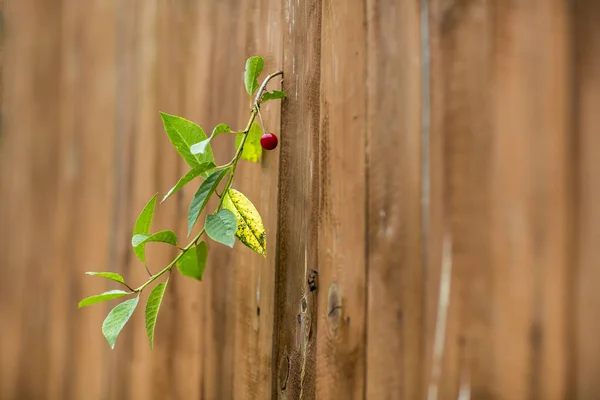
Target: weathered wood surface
<point>432,210</point>
<point>395,273</point>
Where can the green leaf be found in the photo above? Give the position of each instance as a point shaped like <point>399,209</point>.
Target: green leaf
<point>200,170</point>
<point>142,225</point>
<point>111,294</point>
<point>139,241</point>
<point>163,236</point>
<point>116,320</point>
<point>274,95</point>
<point>200,147</point>
<point>252,148</point>
<point>113,276</point>
<point>221,128</point>
<point>254,66</point>
<point>250,230</point>
<point>183,134</point>
<point>206,189</point>
<point>144,220</point>
<point>221,227</point>
<point>193,261</point>
<point>152,307</point>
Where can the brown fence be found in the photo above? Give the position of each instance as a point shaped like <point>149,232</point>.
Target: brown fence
<point>439,168</point>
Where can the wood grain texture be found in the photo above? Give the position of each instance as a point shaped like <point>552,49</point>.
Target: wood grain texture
<point>28,177</point>
<point>155,166</point>
<point>501,199</point>
<point>296,310</point>
<point>458,349</point>
<point>254,285</point>
<point>124,134</point>
<point>93,55</point>
<point>530,198</point>
<point>585,318</point>
<point>190,42</point>
<point>395,270</point>
<point>219,102</point>
<point>340,286</point>
<point>437,168</point>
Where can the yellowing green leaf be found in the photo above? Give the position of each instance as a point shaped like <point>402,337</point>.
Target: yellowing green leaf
<point>252,148</point>
<point>251,230</point>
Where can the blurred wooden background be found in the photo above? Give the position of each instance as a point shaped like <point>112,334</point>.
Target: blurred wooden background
<point>439,167</point>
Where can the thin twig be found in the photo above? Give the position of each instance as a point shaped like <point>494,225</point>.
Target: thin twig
<point>147,270</point>
<point>232,165</point>
<point>262,87</point>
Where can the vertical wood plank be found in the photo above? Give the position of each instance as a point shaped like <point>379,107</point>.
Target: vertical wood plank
<point>530,198</point>
<point>502,162</point>
<point>586,294</point>
<point>341,287</point>
<point>138,35</point>
<point>255,275</point>
<point>28,176</point>
<point>53,178</point>
<point>116,383</point>
<point>158,166</point>
<point>184,331</point>
<point>457,355</point>
<point>158,71</point>
<point>296,309</point>
<point>219,102</point>
<point>87,115</point>
<point>394,322</point>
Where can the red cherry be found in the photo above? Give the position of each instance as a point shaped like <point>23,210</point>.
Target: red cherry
<point>268,141</point>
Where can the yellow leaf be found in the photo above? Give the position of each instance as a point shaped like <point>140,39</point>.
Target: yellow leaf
<point>251,230</point>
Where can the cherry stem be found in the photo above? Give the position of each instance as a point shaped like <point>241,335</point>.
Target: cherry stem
<point>262,123</point>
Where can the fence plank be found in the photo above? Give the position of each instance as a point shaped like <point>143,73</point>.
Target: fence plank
<point>254,275</point>
<point>28,179</point>
<point>586,319</point>
<point>145,158</point>
<point>457,353</point>
<point>123,215</point>
<point>222,84</point>
<point>394,321</point>
<point>530,198</point>
<point>187,46</point>
<point>341,288</point>
<point>161,39</point>
<point>507,282</point>
<point>89,153</point>
<point>296,309</point>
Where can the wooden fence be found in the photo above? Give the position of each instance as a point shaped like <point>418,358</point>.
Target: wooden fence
<point>439,168</point>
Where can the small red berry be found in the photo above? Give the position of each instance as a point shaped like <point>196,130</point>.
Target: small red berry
<point>268,141</point>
